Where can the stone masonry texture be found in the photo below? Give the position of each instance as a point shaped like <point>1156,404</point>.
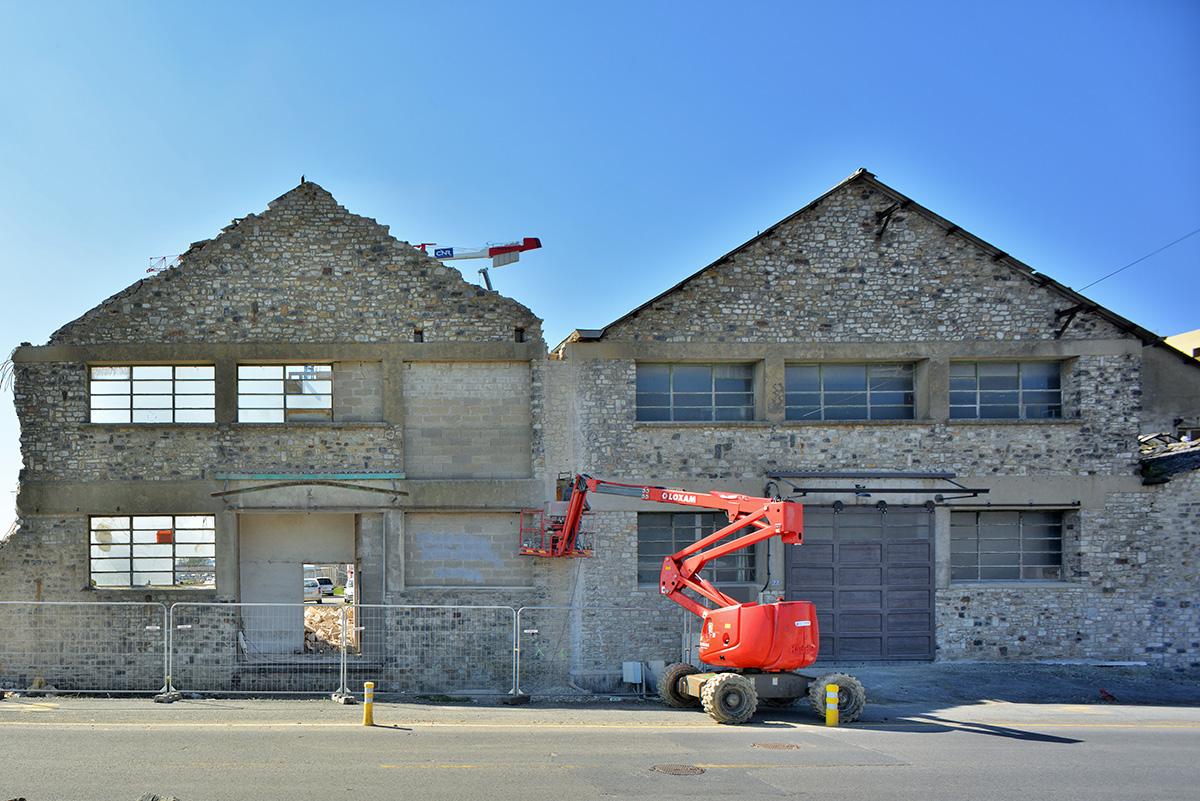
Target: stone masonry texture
<point>480,425</point>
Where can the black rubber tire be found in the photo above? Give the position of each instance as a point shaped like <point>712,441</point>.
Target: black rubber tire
<point>852,696</point>
<point>729,698</point>
<point>779,703</point>
<point>668,686</point>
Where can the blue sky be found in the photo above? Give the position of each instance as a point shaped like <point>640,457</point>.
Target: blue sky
<point>638,140</point>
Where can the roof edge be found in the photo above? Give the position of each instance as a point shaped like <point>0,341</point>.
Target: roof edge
<point>1149,338</point>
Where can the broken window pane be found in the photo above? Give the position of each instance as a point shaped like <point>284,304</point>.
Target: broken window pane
<point>1005,390</point>
<point>695,392</point>
<point>849,391</point>
<point>1005,546</point>
<point>265,391</point>
<point>157,393</point>
<point>153,550</point>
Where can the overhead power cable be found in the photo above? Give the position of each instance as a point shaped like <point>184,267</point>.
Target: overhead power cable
<point>1143,258</point>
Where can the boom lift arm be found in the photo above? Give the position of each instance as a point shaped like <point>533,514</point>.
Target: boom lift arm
<point>751,520</point>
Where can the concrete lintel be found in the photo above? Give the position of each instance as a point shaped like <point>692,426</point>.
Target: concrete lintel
<point>853,351</point>
<point>201,352</point>
<point>157,497</point>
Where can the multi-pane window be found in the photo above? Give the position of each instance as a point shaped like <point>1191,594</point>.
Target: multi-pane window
<point>663,533</point>
<point>153,551</point>
<point>277,393</point>
<point>698,392</point>
<point>849,392</point>
<point>152,393</point>
<point>1005,546</point>
<point>1005,390</point>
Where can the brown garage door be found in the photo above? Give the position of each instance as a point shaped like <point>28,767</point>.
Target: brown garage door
<point>870,574</point>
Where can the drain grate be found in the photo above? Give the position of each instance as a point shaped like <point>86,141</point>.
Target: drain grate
<point>776,746</point>
<point>677,770</point>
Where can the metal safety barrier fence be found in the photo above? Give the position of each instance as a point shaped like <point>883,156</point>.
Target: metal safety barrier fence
<point>583,650</point>
<point>83,647</point>
<point>322,649</point>
<point>258,649</point>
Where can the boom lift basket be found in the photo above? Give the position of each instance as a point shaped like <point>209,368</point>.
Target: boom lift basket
<point>542,531</point>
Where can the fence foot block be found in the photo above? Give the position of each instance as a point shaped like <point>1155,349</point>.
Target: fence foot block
<point>168,697</point>
<point>344,698</point>
<point>515,699</point>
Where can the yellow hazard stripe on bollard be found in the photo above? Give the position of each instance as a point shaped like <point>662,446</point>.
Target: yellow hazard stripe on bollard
<point>831,704</point>
<point>369,703</point>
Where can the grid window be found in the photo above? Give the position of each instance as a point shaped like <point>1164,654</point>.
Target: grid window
<point>1005,390</point>
<point>152,393</point>
<point>849,392</point>
<point>276,393</point>
<point>1005,546</point>
<point>695,392</point>
<point>661,534</point>
<point>153,551</point>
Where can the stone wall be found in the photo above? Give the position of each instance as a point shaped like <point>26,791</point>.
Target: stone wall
<point>304,270</point>
<point>1132,597</point>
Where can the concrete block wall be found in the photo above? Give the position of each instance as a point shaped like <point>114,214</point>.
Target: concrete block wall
<point>357,392</point>
<point>468,420</point>
<point>464,550</point>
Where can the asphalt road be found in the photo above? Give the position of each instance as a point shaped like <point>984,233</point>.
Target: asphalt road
<point>119,749</point>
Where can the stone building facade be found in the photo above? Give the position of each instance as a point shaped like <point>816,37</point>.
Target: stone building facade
<point>304,387</point>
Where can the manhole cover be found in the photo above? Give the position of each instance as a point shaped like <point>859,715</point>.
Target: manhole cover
<point>678,770</point>
<point>776,746</point>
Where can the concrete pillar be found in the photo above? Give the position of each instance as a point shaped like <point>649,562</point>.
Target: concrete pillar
<point>773,375</point>
<point>393,532</point>
<point>941,547</point>
<point>933,391</point>
<point>228,557</point>
<point>226,400</point>
<point>393,391</point>
<point>369,554</point>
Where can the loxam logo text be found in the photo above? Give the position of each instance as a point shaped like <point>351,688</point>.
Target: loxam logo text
<point>678,497</point>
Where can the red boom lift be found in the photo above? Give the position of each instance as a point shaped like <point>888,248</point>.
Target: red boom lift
<point>755,646</point>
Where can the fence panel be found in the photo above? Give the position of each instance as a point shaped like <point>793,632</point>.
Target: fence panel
<point>566,650</point>
<point>258,648</point>
<point>425,649</point>
<point>83,647</point>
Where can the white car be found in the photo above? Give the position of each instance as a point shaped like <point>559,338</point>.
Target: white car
<point>312,590</point>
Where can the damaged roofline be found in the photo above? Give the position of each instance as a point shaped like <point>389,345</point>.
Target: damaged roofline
<point>1041,279</point>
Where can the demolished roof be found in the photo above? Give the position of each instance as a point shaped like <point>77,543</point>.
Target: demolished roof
<point>1081,303</point>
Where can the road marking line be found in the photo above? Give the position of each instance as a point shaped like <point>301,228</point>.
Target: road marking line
<point>813,729</point>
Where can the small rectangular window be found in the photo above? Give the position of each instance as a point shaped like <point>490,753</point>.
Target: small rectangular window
<point>695,392</point>
<point>1005,390</point>
<point>663,533</point>
<point>152,393</point>
<point>153,551</point>
<point>276,393</point>
<point>848,392</point>
<point>1006,546</point>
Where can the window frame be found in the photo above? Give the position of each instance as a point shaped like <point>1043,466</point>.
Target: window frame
<point>749,411</point>
<point>1020,390</point>
<point>306,414</point>
<point>821,392</point>
<point>1021,553</point>
<point>124,551</point>
<point>131,396</point>
<point>745,561</point>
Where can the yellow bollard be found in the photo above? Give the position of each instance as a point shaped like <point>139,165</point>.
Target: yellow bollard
<point>831,705</point>
<point>369,703</point>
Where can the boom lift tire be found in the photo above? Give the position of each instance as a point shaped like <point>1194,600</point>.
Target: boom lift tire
<point>852,696</point>
<point>729,698</point>
<point>668,686</point>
